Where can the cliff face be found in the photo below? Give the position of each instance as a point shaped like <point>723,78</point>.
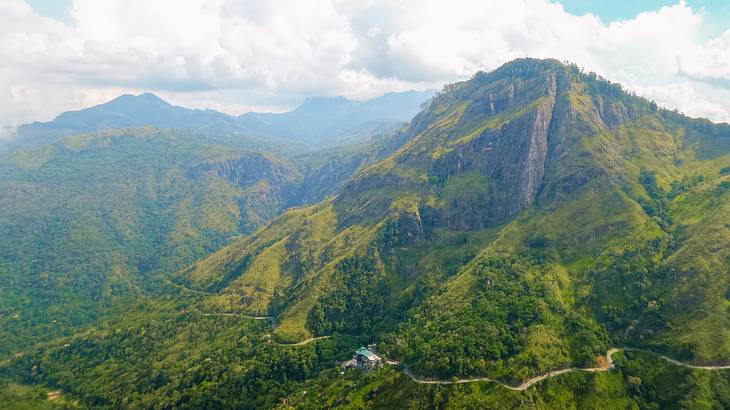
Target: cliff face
<point>486,149</point>
<point>475,157</point>
<point>266,184</point>
<point>247,169</point>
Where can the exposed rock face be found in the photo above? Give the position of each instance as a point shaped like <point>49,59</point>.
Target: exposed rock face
<point>248,169</point>
<point>533,167</point>
<point>266,184</point>
<point>509,160</point>
<point>327,179</point>
<point>486,149</point>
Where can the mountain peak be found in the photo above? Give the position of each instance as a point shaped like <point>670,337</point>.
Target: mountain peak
<point>323,103</point>
<point>144,98</point>
<point>148,96</point>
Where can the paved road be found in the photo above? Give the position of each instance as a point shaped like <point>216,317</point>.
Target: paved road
<point>677,362</point>
<point>273,325</point>
<point>534,380</point>
<point>304,342</point>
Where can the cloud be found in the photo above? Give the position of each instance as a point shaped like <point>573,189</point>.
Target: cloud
<point>237,56</point>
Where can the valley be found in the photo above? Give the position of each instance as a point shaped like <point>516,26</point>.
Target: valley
<point>535,237</point>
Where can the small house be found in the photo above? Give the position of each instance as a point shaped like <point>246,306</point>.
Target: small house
<point>366,359</point>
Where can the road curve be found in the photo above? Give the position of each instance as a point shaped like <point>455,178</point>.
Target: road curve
<point>676,362</point>
<point>305,341</point>
<point>273,325</point>
<point>534,380</point>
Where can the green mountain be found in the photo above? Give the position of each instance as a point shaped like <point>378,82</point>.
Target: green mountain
<point>96,221</point>
<point>527,220</point>
<point>535,194</point>
<point>86,221</point>
<point>125,111</point>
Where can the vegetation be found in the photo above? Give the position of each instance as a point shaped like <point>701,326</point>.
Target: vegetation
<point>86,223</point>
<point>168,355</point>
<point>611,230</point>
<point>640,382</point>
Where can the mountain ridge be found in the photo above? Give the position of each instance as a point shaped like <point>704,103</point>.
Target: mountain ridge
<point>327,124</point>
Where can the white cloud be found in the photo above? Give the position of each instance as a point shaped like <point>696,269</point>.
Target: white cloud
<point>256,54</point>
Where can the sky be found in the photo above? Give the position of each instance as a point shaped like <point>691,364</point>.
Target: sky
<point>260,55</point>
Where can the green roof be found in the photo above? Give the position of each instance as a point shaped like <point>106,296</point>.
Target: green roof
<point>365,352</point>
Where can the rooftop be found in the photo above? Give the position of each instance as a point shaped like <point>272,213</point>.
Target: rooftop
<point>367,353</point>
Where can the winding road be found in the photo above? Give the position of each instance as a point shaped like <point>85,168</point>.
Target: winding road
<point>534,380</point>
<point>523,386</point>
<point>273,325</point>
<point>676,362</point>
<point>305,341</point>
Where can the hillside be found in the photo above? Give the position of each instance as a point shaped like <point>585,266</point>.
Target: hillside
<point>542,198</point>
<point>565,191</point>
<point>96,221</point>
<point>85,222</point>
<point>526,220</point>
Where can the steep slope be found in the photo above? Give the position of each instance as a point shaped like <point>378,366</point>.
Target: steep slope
<point>86,221</point>
<point>97,216</point>
<point>328,170</point>
<point>526,224</point>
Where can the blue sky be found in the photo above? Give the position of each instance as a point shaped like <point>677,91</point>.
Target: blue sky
<point>262,55</point>
<point>717,11</point>
<point>57,9</point>
<point>612,10</point>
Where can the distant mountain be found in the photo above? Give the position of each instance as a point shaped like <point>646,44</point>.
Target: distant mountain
<point>125,111</point>
<point>318,120</point>
<point>128,111</point>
